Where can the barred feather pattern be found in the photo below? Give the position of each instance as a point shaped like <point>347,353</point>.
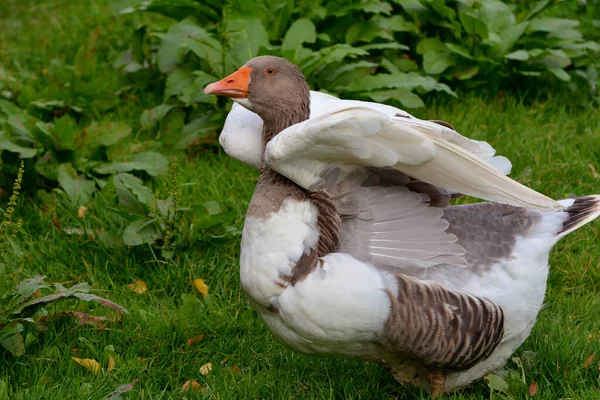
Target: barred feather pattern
<point>441,329</point>
<point>328,224</point>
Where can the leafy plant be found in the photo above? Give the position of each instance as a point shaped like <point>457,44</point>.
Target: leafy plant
<point>386,51</point>
<point>26,315</point>
<point>164,223</point>
<point>77,159</point>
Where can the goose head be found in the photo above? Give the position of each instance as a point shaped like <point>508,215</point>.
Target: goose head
<point>271,87</point>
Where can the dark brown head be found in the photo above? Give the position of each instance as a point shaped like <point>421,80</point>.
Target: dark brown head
<point>272,87</point>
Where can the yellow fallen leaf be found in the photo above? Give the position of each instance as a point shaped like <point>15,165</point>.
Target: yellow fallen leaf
<point>139,286</point>
<point>111,364</point>
<point>82,211</point>
<point>201,286</point>
<point>91,364</point>
<point>192,385</point>
<point>195,340</point>
<point>206,368</point>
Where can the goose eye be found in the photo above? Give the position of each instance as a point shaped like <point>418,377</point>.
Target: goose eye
<point>270,71</point>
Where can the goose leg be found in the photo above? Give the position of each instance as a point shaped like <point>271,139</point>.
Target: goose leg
<point>437,380</point>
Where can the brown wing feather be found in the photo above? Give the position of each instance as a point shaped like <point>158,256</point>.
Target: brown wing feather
<point>441,328</point>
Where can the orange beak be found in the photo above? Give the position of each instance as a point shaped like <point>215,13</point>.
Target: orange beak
<point>234,86</point>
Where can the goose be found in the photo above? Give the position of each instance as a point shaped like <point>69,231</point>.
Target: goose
<point>351,249</point>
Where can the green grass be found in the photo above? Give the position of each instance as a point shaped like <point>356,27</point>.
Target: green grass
<point>551,145</point>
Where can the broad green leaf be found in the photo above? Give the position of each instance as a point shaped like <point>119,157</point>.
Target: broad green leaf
<point>140,232</point>
<point>462,72</point>
<point>556,59</point>
<point>47,166</point>
<point>458,49</point>
<point>177,82</point>
<point>133,195</point>
<point>176,43</point>
<point>406,65</point>
<point>383,46</point>
<point>151,117</point>
<point>65,133</point>
<point>14,344</point>
<point>212,207</point>
<point>153,163</point>
<point>10,329</point>
<point>539,7</point>
<point>197,129</point>
<point>409,80</point>
<point>509,37</point>
<point>78,189</point>
<point>473,25</point>
<point>404,96</point>
<point>551,24</point>
<point>302,31</point>
<point>520,55</point>
<point>106,133</point>
<point>430,44</point>
<point>8,144</point>
<point>496,383</point>
<point>530,73</point>
<point>366,6</point>
<point>366,32</point>
<point>560,74</point>
<point>397,23</point>
<point>436,62</point>
<point>246,37</point>
<point>411,6</point>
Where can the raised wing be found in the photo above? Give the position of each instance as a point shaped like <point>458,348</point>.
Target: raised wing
<point>427,151</point>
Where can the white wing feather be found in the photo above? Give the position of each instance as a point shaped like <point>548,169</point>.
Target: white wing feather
<point>425,150</point>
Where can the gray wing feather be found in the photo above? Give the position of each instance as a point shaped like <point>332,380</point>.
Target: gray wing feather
<point>395,228</point>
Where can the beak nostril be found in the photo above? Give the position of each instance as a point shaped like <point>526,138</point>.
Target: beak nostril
<point>230,80</point>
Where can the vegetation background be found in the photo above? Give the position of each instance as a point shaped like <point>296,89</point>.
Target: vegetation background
<point>120,217</point>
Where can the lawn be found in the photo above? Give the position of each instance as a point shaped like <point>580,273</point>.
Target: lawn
<point>553,144</point>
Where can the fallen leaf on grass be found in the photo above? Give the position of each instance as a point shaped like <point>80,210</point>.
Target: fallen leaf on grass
<point>206,368</point>
<point>235,369</point>
<point>533,388</point>
<point>595,173</point>
<point>120,390</point>
<point>195,340</point>
<point>85,319</point>
<point>111,364</point>
<point>201,286</point>
<point>82,211</point>
<point>588,361</point>
<point>192,385</point>
<point>89,363</point>
<point>139,286</point>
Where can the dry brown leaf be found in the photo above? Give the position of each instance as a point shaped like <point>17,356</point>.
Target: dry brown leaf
<point>139,286</point>
<point>82,211</point>
<point>235,369</point>
<point>201,286</point>
<point>206,368</point>
<point>195,340</point>
<point>111,364</point>
<point>588,361</point>
<point>85,319</point>
<point>533,388</point>
<point>192,385</point>
<point>89,363</point>
<point>595,173</point>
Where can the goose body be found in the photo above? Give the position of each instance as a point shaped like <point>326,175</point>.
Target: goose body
<point>350,247</point>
